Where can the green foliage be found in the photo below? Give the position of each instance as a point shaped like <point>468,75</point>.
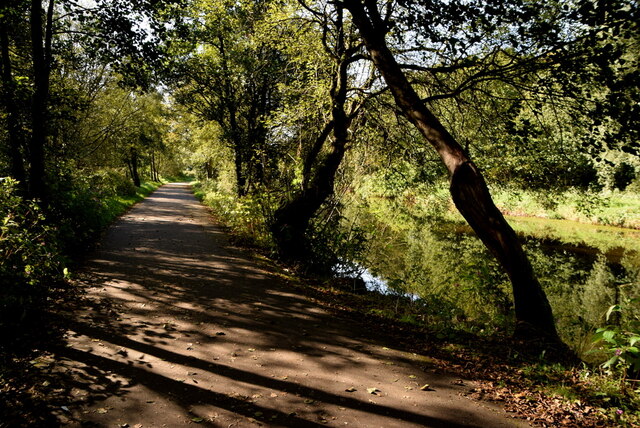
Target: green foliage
<point>246,217</point>
<point>30,260</point>
<point>620,345</point>
<point>333,241</point>
<point>83,207</point>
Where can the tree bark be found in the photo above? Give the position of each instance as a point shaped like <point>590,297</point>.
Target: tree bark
<point>241,180</point>
<point>312,156</point>
<point>291,220</point>
<point>133,165</point>
<point>41,56</point>
<point>234,133</point>
<point>467,185</point>
<point>10,103</point>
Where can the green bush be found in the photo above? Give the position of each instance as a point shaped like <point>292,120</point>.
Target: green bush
<point>30,260</point>
<point>620,345</point>
<point>82,207</point>
<point>247,217</point>
<point>333,241</point>
<point>111,183</point>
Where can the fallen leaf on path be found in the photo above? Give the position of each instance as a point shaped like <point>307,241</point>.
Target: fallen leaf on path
<point>411,376</point>
<point>197,420</point>
<point>102,410</point>
<point>426,387</point>
<point>308,401</point>
<point>351,389</point>
<point>373,391</point>
<point>41,363</point>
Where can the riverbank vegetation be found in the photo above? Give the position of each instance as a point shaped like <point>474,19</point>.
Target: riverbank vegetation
<point>376,145</point>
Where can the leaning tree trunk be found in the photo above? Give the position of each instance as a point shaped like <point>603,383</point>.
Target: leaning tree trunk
<point>291,221</point>
<point>467,185</point>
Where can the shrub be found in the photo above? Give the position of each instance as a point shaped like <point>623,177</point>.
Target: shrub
<point>621,346</point>
<point>247,217</point>
<point>30,260</point>
<point>79,208</point>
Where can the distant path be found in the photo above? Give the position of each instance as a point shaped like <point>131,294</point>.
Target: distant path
<point>182,329</point>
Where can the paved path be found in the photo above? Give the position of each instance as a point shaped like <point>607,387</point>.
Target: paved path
<point>182,329</point>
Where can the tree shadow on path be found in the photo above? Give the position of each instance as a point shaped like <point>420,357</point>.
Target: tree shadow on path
<point>181,328</point>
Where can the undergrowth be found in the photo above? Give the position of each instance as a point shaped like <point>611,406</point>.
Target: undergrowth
<point>247,218</point>
<point>38,244</point>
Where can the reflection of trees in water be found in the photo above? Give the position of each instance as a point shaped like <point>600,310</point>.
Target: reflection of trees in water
<point>453,270</point>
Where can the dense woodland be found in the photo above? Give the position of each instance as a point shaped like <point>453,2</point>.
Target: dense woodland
<point>348,140</point>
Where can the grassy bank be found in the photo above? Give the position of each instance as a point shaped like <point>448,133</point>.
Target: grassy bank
<point>117,205</point>
<point>608,208</point>
<point>606,239</point>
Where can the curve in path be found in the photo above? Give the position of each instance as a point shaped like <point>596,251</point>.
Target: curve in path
<point>183,329</point>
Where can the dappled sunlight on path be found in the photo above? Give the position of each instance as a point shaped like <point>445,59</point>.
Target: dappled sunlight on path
<point>180,328</point>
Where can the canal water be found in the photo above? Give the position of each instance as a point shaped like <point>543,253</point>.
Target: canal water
<point>447,271</point>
